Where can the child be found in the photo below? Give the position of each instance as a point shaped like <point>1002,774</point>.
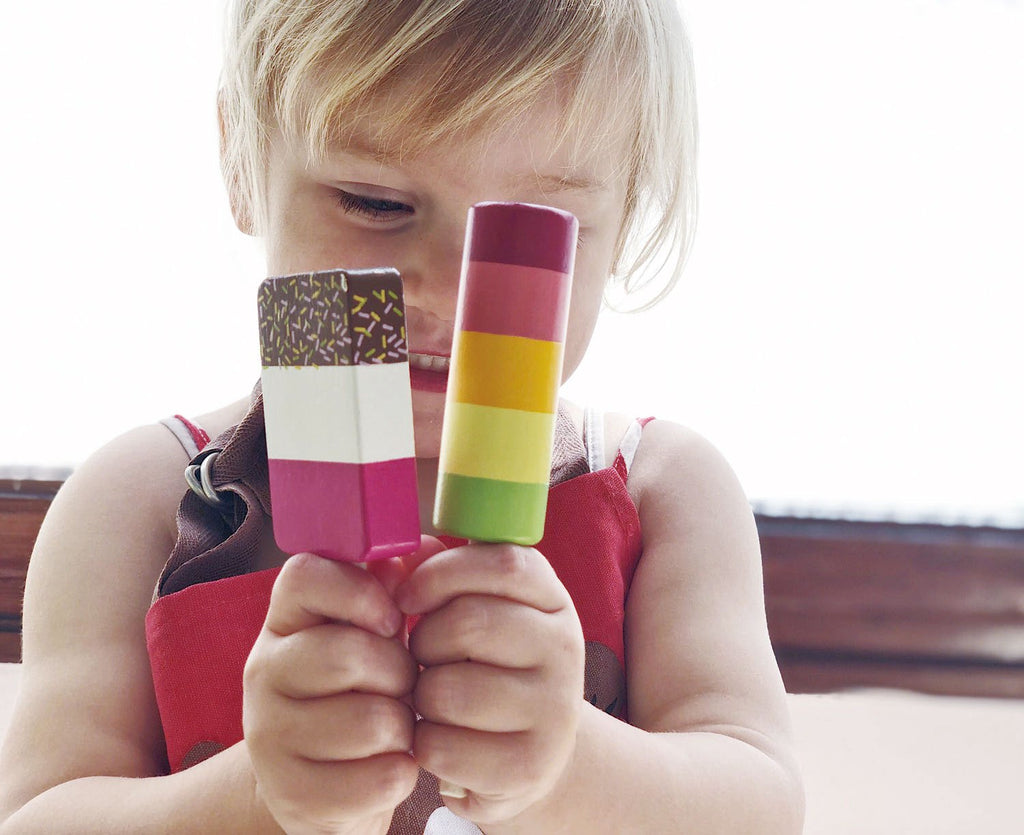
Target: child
<point>357,134</point>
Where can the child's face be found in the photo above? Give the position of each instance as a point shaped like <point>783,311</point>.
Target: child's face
<point>409,211</point>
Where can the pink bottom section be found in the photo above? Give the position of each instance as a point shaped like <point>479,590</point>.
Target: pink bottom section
<point>348,512</point>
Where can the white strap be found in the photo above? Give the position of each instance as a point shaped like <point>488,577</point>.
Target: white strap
<point>593,438</point>
<point>184,437</point>
<point>630,442</point>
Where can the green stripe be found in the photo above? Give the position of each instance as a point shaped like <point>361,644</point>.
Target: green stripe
<point>486,510</point>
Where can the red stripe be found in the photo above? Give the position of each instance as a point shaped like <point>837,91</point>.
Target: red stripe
<point>348,512</point>
<point>199,435</point>
<point>521,233</point>
<point>513,300</point>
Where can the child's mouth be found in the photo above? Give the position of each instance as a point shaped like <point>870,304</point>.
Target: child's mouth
<point>429,372</point>
<point>430,362</point>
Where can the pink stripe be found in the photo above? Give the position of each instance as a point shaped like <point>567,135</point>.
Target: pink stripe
<point>348,512</point>
<point>513,300</point>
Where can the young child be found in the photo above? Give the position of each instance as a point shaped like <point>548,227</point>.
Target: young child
<point>358,134</point>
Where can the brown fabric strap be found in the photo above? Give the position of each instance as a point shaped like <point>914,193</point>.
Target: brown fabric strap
<point>214,543</point>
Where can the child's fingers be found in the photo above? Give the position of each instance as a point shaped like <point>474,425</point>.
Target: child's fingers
<point>347,726</point>
<point>310,796</point>
<point>492,766</point>
<point>390,573</point>
<point>479,697</point>
<point>492,630</point>
<point>429,546</point>
<point>311,590</point>
<point>393,572</point>
<point>511,571</point>
<point>333,658</point>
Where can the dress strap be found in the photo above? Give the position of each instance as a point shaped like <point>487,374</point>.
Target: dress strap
<point>191,437</point>
<point>628,447</point>
<point>593,438</point>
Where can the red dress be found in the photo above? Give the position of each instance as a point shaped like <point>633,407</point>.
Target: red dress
<point>199,637</point>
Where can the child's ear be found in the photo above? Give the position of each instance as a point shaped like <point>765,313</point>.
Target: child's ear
<point>238,197</point>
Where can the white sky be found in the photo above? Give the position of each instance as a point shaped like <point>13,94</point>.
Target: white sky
<point>848,332</point>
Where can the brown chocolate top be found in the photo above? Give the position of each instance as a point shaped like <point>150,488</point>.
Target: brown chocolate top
<point>339,317</point>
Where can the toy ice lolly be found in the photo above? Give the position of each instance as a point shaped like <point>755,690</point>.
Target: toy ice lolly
<point>506,368</point>
<point>338,411</point>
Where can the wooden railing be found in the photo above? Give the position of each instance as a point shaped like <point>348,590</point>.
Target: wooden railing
<point>23,503</point>
<point>932,608</point>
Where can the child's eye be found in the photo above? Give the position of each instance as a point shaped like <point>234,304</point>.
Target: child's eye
<point>372,208</point>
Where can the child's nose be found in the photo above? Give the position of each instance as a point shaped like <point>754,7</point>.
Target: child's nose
<point>431,277</point>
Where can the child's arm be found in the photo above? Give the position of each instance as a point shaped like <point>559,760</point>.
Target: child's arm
<point>86,727</point>
<point>86,706</point>
<point>708,749</point>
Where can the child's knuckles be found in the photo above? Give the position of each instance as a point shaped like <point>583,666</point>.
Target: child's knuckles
<point>386,725</point>
<point>264,730</point>
<point>347,656</point>
<point>471,622</point>
<point>397,775</point>
<point>335,658</point>
<point>306,579</point>
<point>438,696</point>
<point>271,668</point>
<point>329,797</point>
<point>353,726</point>
<point>254,671</point>
<point>513,562</point>
<point>525,574</point>
<point>458,631</point>
<point>366,787</point>
<point>297,574</point>
<point>490,765</point>
<point>433,749</point>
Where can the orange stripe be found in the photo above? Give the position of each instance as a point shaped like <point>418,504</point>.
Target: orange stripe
<point>508,372</point>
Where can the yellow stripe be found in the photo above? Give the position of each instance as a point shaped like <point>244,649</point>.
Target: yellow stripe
<point>503,444</point>
<point>508,372</point>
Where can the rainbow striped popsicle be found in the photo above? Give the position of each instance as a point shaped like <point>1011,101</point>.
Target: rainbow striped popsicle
<point>505,372</point>
<point>338,412</point>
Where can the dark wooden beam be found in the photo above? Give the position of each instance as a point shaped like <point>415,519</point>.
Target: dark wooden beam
<point>23,503</point>
<point>879,604</point>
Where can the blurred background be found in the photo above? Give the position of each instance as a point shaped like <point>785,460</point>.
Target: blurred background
<point>848,330</point>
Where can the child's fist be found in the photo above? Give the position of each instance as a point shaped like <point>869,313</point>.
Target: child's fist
<point>323,714</point>
<point>500,692</point>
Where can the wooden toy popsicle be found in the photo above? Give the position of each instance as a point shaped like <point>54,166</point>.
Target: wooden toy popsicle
<point>338,412</point>
<point>506,369</point>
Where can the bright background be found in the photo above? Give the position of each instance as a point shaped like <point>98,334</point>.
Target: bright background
<point>848,331</point>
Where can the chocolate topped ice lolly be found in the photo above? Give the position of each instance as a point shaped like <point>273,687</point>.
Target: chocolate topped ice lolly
<point>338,411</point>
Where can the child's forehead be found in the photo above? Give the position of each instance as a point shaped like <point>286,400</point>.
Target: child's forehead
<point>567,147</point>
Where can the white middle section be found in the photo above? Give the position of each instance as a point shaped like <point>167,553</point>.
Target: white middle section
<point>352,414</point>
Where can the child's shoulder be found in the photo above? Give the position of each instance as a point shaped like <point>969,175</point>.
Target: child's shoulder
<point>137,479</point>
<point>660,453</point>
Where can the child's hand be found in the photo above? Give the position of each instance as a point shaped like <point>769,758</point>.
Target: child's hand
<point>501,688</point>
<point>327,730</point>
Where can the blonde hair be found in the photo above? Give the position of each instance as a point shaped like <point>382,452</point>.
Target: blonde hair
<point>312,67</point>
